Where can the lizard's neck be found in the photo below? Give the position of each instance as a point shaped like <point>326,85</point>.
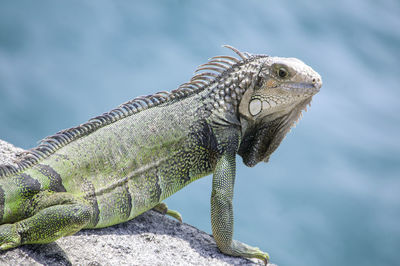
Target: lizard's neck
<point>221,101</point>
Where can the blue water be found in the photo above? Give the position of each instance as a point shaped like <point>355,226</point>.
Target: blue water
<point>331,192</point>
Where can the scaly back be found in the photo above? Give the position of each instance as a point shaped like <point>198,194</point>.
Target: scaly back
<point>207,74</point>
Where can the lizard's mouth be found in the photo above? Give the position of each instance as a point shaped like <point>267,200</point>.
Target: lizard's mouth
<point>303,88</point>
<point>281,99</point>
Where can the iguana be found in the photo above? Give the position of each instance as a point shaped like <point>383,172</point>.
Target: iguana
<point>127,161</point>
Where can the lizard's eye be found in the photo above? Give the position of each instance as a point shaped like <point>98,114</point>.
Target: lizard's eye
<point>282,73</point>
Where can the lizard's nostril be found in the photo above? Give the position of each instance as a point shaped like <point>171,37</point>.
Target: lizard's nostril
<point>317,82</point>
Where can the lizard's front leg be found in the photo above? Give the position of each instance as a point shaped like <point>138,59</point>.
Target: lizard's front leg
<point>222,212</point>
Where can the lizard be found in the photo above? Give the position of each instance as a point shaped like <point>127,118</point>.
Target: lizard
<point>128,160</point>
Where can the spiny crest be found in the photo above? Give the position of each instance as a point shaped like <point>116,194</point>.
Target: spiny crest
<point>218,65</point>
<point>212,70</point>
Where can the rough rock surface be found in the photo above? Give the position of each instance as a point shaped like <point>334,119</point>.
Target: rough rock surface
<point>149,239</point>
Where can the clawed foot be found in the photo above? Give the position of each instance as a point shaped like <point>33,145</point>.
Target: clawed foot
<point>243,250</point>
<point>9,237</point>
<point>163,209</point>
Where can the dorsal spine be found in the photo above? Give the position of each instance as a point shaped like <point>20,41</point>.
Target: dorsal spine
<point>219,65</point>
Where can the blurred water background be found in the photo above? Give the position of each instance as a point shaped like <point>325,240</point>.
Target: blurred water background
<point>330,193</point>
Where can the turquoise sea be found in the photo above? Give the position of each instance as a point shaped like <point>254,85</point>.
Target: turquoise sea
<point>330,194</point>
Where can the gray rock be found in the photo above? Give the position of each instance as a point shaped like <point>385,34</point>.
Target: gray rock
<point>149,239</point>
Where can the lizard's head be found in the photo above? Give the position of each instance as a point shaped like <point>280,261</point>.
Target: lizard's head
<point>280,90</point>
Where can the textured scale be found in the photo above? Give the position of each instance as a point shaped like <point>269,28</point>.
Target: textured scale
<point>127,161</point>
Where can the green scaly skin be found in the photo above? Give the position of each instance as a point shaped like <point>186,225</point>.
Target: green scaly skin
<point>125,162</point>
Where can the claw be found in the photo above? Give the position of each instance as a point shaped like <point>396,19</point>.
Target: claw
<point>265,259</point>
<point>175,214</point>
<point>9,237</point>
<point>163,209</point>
